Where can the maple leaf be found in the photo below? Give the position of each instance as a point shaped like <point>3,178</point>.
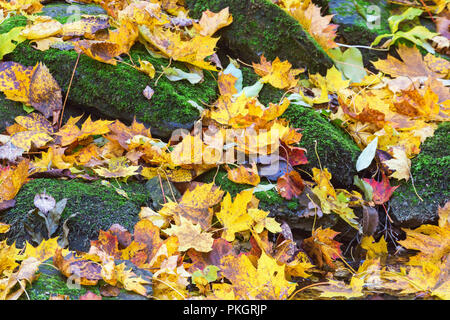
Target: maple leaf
<point>412,65</point>
<point>261,221</point>
<point>322,247</point>
<point>374,249</point>
<point>265,281</point>
<point>233,215</point>
<point>191,236</point>
<point>15,81</point>
<point>195,205</point>
<point>382,190</point>
<point>88,271</point>
<point>193,51</point>
<point>9,40</point>
<point>279,74</point>
<point>432,241</point>
<point>290,185</point>
<point>4,228</point>
<point>12,180</point>
<point>42,27</point>
<point>129,280</point>
<point>117,168</point>
<point>315,24</point>
<point>400,164</point>
<point>86,25</point>
<point>244,175</point>
<point>45,93</point>
<point>90,296</point>
<point>200,260</point>
<point>147,233</point>
<point>428,277</point>
<point>27,6</point>
<point>45,250</point>
<point>335,289</point>
<point>119,41</point>
<point>210,22</point>
<point>170,281</point>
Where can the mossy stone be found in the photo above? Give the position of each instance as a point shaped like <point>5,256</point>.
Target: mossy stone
<point>354,27</point>
<point>335,148</point>
<point>9,110</point>
<point>430,171</point>
<point>98,207</point>
<point>116,92</point>
<point>51,282</point>
<point>261,27</point>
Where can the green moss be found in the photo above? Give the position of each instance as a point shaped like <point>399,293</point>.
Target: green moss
<point>9,110</point>
<point>116,91</point>
<point>52,284</point>
<point>335,148</point>
<point>12,22</point>
<point>98,207</point>
<point>431,181</point>
<point>260,27</point>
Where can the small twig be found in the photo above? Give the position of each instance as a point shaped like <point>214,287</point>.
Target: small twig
<point>414,187</point>
<point>68,90</point>
<point>307,287</point>
<point>362,47</point>
<point>162,189</point>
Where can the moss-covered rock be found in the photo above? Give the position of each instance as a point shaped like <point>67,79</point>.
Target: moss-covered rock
<point>261,27</point>
<point>98,207</point>
<point>52,283</point>
<point>335,148</point>
<point>431,179</point>
<point>8,111</point>
<point>116,91</point>
<point>355,27</point>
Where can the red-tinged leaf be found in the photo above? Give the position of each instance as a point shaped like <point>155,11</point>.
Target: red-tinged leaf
<point>382,190</point>
<point>200,260</point>
<point>322,248</point>
<point>295,155</point>
<point>290,185</point>
<point>108,243</point>
<point>90,296</point>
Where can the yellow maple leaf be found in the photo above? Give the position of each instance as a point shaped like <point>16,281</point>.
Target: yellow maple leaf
<point>45,250</point>
<point>233,215</point>
<point>4,228</point>
<point>400,164</point>
<point>12,180</point>
<point>210,22</point>
<point>191,236</point>
<point>374,249</point>
<point>315,24</point>
<point>195,205</point>
<point>432,242</point>
<point>265,281</point>
<point>244,175</point>
<point>278,73</point>
<point>117,168</point>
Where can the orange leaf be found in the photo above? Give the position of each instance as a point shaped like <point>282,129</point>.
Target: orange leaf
<point>290,185</point>
<point>322,247</point>
<point>244,175</point>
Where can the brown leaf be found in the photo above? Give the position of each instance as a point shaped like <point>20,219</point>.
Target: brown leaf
<point>45,93</point>
<point>290,185</point>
